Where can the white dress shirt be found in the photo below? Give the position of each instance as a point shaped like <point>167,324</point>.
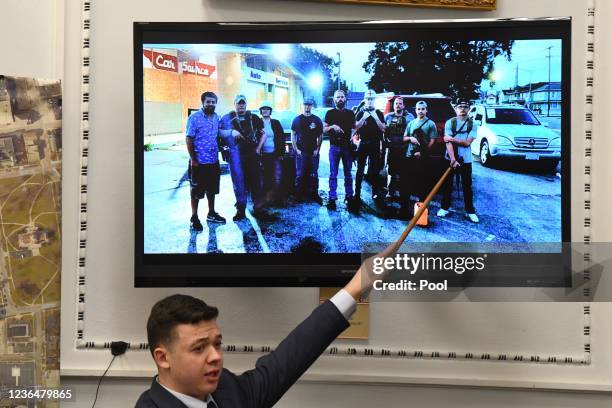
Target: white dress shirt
<point>190,401</point>
<point>345,303</point>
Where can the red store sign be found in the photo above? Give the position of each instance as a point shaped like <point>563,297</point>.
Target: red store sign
<point>162,61</point>
<point>197,68</point>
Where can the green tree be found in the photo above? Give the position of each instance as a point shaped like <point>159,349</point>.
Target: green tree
<point>453,68</point>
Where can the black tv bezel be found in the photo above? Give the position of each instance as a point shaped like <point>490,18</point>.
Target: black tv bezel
<point>289,270</point>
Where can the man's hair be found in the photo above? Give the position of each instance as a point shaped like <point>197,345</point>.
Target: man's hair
<point>172,311</point>
<point>208,94</point>
<point>340,91</point>
<point>421,104</point>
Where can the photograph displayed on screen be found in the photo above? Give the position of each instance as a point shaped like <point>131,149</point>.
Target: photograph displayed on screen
<point>273,149</point>
<point>325,147</point>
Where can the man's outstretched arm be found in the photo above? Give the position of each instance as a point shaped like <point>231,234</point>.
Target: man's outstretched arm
<point>361,283</point>
<point>276,372</point>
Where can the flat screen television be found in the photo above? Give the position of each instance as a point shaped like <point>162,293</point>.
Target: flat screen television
<point>514,76</point>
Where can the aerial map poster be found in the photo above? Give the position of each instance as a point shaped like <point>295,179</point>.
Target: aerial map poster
<point>30,236</point>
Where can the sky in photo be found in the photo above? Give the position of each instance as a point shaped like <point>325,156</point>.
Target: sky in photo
<point>529,56</point>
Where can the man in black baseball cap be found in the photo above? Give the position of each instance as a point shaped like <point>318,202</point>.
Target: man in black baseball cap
<point>306,137</point>
<point>464,103</point>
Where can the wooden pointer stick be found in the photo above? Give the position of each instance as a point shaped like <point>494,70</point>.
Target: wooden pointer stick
<point>421,210</point>
<point>363,278</point>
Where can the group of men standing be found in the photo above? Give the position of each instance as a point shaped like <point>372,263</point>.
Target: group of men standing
<point>404,145</point>
<point>415,160</point>
<point>254,145</point>
<point>398,141</point>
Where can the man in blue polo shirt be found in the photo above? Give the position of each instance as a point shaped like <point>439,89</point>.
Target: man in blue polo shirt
<point>204,172</point>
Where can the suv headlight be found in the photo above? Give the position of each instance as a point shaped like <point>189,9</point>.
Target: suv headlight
<point>556,142</point>
<point>503,141</point>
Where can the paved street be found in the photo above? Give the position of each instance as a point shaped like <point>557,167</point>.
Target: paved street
<point>513,206</point>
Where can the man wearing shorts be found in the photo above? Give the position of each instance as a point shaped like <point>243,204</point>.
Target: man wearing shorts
<point>204,172</point>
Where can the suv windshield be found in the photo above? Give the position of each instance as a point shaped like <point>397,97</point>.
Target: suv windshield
<point>511,117</point>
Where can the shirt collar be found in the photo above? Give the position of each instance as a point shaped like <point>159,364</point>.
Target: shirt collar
<point>190,401</point>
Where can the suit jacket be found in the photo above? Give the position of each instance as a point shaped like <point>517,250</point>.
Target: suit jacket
<point>274,373</point>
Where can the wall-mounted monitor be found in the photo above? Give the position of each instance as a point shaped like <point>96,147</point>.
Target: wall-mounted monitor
<point>273,167</point>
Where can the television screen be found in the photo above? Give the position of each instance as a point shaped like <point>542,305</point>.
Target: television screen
<point>271,154</point>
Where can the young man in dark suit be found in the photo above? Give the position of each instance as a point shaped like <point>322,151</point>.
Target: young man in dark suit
<point>185,342</point>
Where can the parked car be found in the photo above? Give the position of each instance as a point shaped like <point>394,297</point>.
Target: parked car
<point>513,131</point>
<point>320,112</point>
<point>439,110</point>
<point>439,107</point>
<point>286,119</point>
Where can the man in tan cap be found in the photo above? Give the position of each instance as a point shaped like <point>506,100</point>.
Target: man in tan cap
<point>242,132</point>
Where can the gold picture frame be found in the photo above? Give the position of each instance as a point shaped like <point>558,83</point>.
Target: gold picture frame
<point>461,4</point>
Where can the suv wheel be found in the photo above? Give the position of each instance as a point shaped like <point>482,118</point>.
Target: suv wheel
<point>551,166</point>
<point>485,154</point>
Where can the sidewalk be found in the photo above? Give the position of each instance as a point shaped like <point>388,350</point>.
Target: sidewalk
<point>161,141</point>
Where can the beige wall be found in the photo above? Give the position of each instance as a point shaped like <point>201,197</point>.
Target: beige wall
<point>173,88</point>
<point>229,66</point>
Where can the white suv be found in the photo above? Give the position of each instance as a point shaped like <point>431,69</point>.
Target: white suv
<point>513,131</point>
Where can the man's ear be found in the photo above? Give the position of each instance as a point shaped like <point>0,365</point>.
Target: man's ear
<point>162,357</point>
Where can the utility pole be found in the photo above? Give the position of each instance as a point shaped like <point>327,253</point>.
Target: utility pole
<point>530,95</point>
<point>339,62</point>
<point>530,98</point>
<point>516,84</point>
<point>548,48</point>
<point>516,78</point>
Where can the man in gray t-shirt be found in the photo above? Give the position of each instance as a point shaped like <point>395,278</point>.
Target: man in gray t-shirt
<point>459,133</point>
<point>420,135</point>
